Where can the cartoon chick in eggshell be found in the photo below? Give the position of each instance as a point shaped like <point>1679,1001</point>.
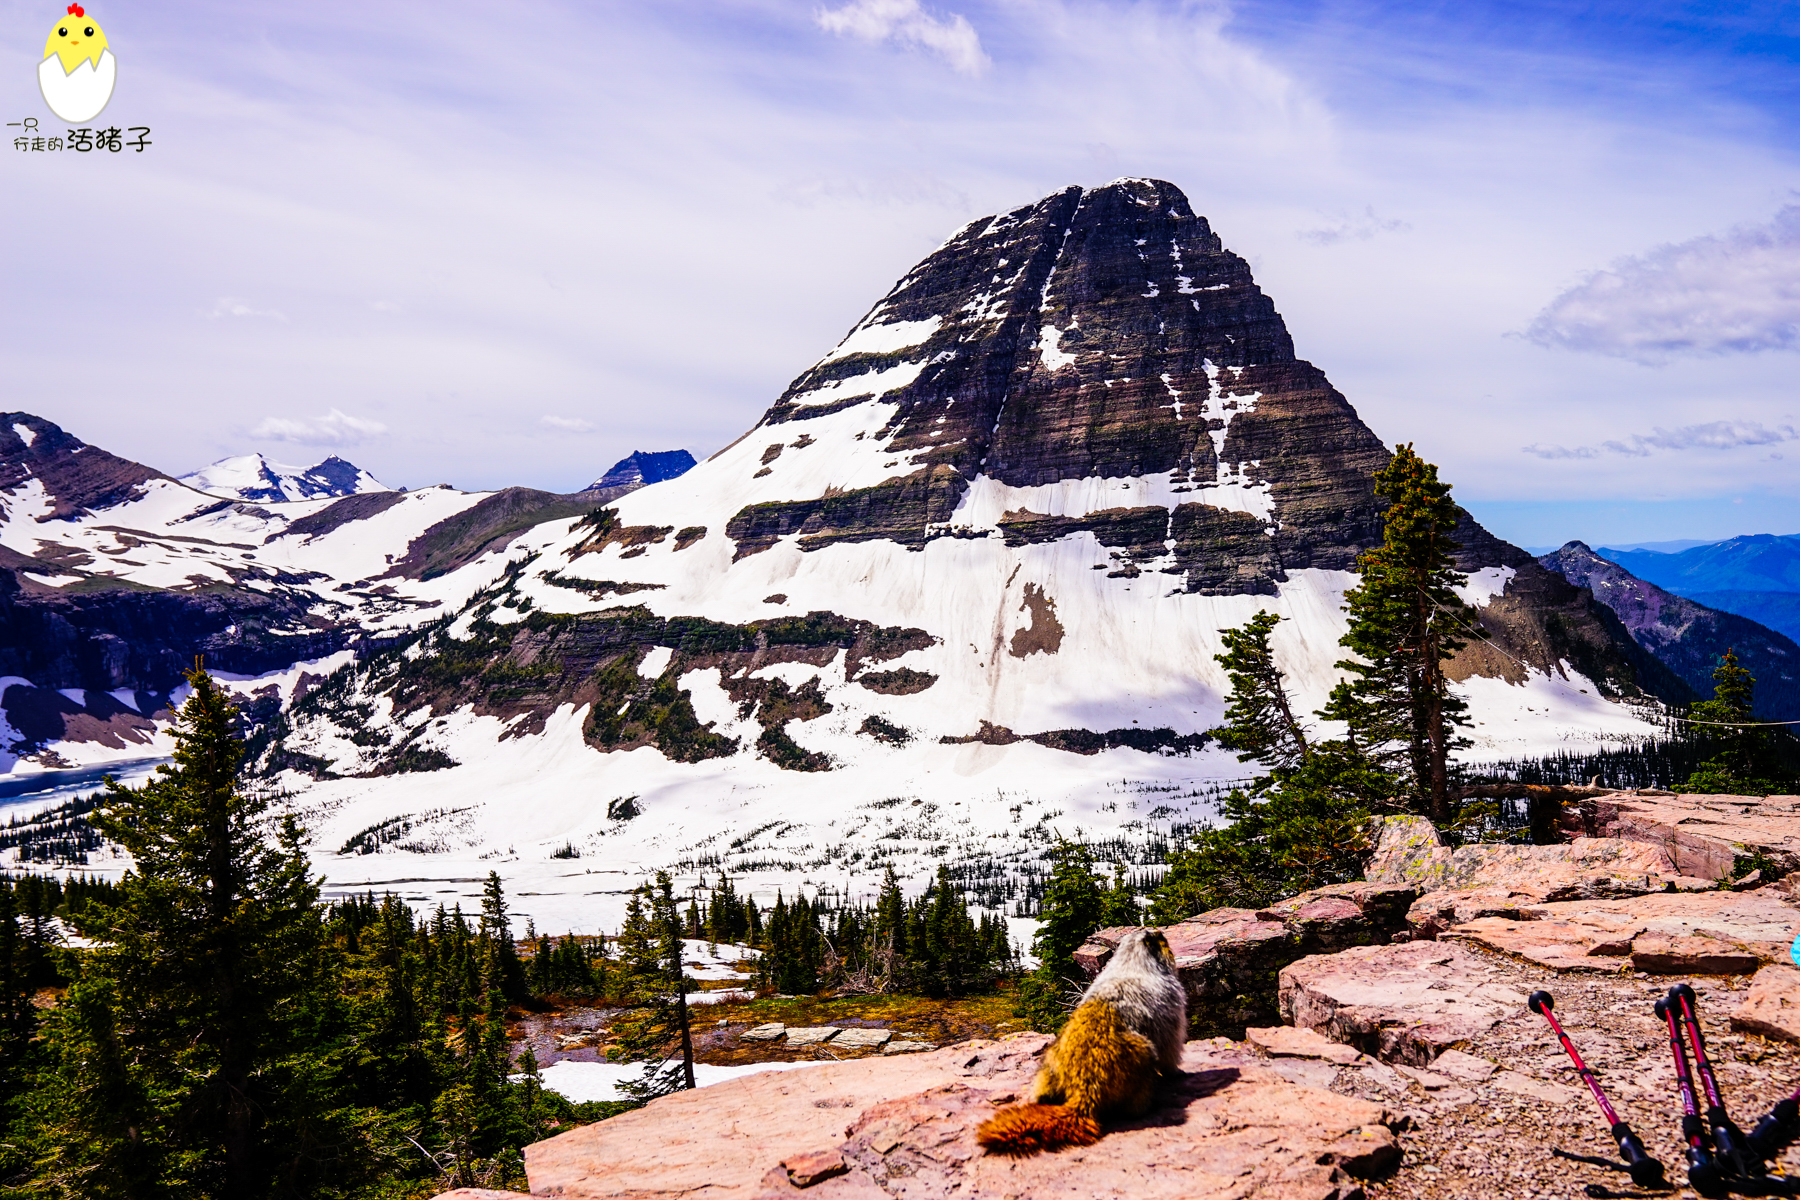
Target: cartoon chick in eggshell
<point>78,71</point>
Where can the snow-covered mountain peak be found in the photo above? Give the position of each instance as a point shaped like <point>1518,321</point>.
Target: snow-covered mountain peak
<point>256,478</point>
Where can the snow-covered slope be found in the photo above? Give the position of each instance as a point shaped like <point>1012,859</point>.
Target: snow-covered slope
<point>956,594</point>
<point>114,577</point>
<point>253,477</point>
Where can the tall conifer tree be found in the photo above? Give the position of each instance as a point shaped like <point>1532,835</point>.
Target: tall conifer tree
<point>180,1070</point>
<point>1405,621</point>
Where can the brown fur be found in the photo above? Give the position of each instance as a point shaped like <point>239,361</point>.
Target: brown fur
<point>1098,1065</point>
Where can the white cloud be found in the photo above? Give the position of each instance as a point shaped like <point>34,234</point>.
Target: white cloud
<point>234,306</point>
<point>1714,435</point>
<point>566,424</point>
<point>1358,229</point>
<point>1735,293</point>
<point>904,21</point>
<point>335,428</point>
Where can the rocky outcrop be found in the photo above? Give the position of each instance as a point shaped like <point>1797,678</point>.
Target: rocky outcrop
<point>1229,958</point>
<point>1702,933</point>
<point>530,667</point>
<point>1713,837</point>
<point>1685,635</point>
<point>1544,621</point>
<point>106,638</point>
<point>1485,880</point>
<point>488,525</point>
<point>904,1127</point>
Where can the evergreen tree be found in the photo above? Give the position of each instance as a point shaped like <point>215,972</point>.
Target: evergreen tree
<point>181,1054</point>
<point>1072,909</point>
<point>1118,905</point>
<point>1728,722</point>
<point>15,983</point>
<point>502,970</point>
<point>1259,715</point>
<point>659,1033</point>
<point>1299,825</point>
<point>16,1024</point>
<point>1405,621</point>
<point>951,956</point>
<point>1303,829</point>
<point>794,955</point>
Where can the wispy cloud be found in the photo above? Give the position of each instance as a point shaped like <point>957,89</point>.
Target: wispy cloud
<point>905,22</point>
<point>236,306</point>
<point>1714,435</point>
<point>1352,229</point>
<point>335,428</point>
<point>1735,293</point>
<point>566,424</point>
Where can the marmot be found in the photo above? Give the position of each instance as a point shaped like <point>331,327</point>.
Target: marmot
<point>1126,1034</point>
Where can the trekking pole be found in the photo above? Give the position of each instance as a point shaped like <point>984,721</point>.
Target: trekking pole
<point>1777,1128</point>
<point>1728,1139</point>
<point>1644,1170</point>
<point>1703,1169</point>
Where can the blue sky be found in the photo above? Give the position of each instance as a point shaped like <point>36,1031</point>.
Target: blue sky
<point>1556,247</point>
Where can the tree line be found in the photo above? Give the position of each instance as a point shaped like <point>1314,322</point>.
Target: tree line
<point>225,1033</point>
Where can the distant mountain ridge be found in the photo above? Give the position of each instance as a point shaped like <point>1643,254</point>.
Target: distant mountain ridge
<point>1687,636</point>
<point>1755,576</point>
<point>254,477</point>
<point>1756,562</point>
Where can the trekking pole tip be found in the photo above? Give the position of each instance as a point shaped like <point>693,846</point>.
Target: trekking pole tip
<point>1684,991</point>
<point>1539,1001</point>
<point>1662,1007</point>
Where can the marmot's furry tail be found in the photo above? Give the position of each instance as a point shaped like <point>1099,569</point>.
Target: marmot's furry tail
<point>1028,1128</point>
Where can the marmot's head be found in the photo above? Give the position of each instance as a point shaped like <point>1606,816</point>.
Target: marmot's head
<point>1149,948</point>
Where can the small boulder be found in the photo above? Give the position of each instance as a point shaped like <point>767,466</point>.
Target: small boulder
<point>1286,1041</point>
<point>774,1031</point>
<point>1771,1008</point>
<point>907,1047</point>
<point>804,1170</point>
<point>814,1035</point>
<point>862,1039</point>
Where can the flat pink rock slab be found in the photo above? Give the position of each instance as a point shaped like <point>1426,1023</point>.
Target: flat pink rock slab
<point>876,1129</point>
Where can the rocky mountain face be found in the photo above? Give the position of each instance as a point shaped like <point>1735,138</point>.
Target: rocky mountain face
<point>1685,635</point>
<point>961,585</point>
<point>253,477</point>
<point>639,469</point>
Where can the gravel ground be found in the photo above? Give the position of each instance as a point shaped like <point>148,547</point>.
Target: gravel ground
<point>1484,1140</point>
